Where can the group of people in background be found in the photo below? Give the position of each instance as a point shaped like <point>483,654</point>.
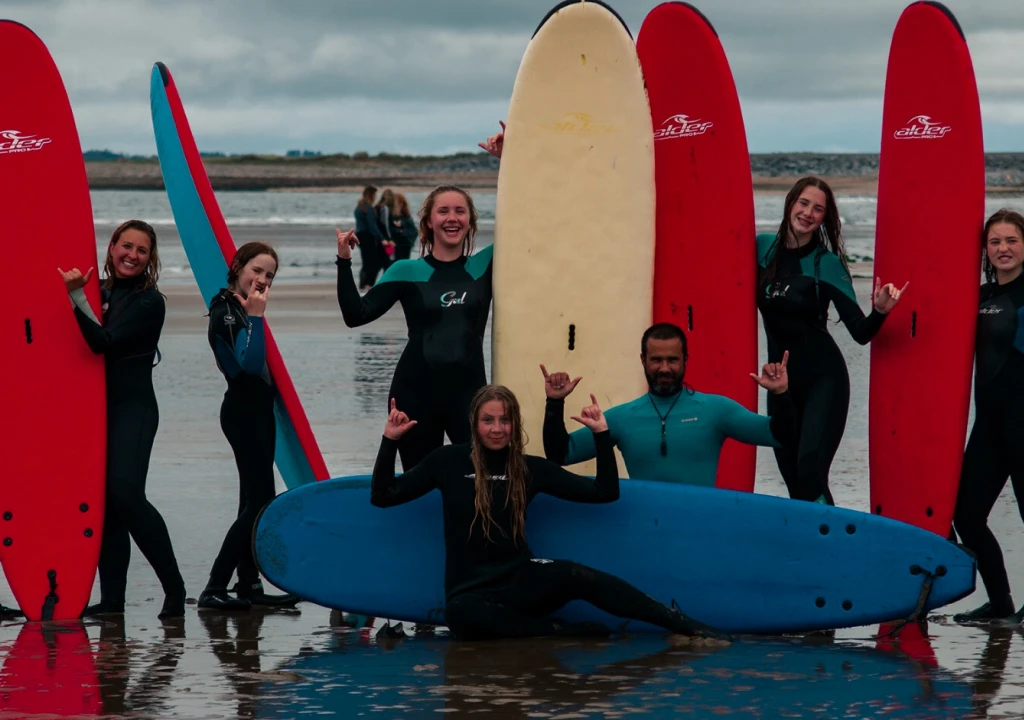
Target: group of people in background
<point>495,586</point>
<point>386,232</point>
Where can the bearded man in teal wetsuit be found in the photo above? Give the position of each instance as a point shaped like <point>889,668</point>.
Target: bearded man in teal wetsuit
<point>671,433</point>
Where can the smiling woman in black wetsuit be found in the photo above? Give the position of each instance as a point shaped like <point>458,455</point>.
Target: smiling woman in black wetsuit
<point>995,449</point>
<point>133,316</point>
<point>494,585</point>
<point>802,270</point>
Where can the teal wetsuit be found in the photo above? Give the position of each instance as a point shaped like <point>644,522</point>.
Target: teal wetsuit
<point>696,427</point>
<point>794,306</point>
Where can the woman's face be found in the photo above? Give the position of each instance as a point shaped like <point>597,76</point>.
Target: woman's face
<point>129,254</point>
<point>808,212</point>
<point>493,425</point>
<point>1005,247</point>
<point>259,273</point>
<point>449,219</point>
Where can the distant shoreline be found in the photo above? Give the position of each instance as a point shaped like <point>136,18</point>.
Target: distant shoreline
<point>849,174</point>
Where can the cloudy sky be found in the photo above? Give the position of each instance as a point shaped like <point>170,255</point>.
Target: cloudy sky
<point>434,76</point>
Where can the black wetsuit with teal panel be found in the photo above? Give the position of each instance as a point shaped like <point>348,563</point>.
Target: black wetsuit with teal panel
<point>794,307</point>
<point>446,304</point>
<point>995,449</point>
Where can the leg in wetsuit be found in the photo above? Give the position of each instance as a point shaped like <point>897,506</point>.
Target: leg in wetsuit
<point>518,607</point>
<point>994,453</point>
<point>131,429</point>
<point>821,407</point>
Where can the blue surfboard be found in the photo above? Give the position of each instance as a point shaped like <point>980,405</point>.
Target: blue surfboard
<point>208,245</point>
<point>557,678</point>
<point>742,562</point>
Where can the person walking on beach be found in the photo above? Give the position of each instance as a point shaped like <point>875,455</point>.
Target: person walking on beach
<point>236,336</point>
<point>127,337</point>
<point>655,447</point>
<point>367,230</point>
<point>995,450</point>
<point>385,219</point>
<point>801,271</point>
<point>405,230</point>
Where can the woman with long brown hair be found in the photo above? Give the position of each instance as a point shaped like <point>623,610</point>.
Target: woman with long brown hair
<point>236,336</point>
<point>495,587</point>
<point>127,337</point>
<point>446,296</point>
<point>995,451</point>
<point>406,231</point>
<point>803,270</point>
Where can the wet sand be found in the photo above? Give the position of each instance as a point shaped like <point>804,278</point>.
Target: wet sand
<point>296,664</point>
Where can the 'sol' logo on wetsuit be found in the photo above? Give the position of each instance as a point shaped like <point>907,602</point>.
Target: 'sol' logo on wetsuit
<point>681,126</point>
<point>921,127</point>
<point>453,298</point>
<point>12,141</point>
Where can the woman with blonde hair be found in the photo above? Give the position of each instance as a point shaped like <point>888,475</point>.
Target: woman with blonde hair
<point>495,586</point>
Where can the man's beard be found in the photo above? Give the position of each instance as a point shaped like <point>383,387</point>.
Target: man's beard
<point>664,384</point>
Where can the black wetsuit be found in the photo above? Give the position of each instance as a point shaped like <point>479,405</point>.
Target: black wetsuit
<point>405,238</point>
<point>442,366</point>
<point>794,307</point>
<point>132,321</point>
<point>496,587</point>
<point>995,449</point>
<point>247,419</point>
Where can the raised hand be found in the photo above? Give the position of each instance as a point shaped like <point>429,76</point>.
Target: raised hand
<point>73,278</point>
<point>558,386</point>
<point>256,304</point>
<point>398,423</point>
<point>495,143</point>
<point>774,376</point>
<point>592,417</point>
<point>346,241</point>
<point>887,296</point>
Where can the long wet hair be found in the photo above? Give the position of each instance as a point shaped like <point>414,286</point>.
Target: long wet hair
<point>829,235</point>
<point>152,271</point>
<point>515,467</point>
<point>427,234</point>
<point>245,254</point>
<point>402,206</point>
<point>1003,215</point>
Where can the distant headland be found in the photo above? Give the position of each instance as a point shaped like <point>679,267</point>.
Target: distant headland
<point>849,173</point>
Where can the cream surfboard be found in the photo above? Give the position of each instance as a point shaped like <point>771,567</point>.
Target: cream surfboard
<point>574,223</point>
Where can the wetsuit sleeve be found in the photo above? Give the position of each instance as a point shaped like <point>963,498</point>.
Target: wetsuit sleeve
<point>144,315</point>
<point>356,310</point>
<point>837,286</point>
<point>778,430</point>
<point>559,482</point>
<point>247,348</point>
<point>79,301</point>
<point>386,490</point>
<point>561,447</point>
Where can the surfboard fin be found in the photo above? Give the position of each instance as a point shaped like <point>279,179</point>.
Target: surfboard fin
<point>51,598</point>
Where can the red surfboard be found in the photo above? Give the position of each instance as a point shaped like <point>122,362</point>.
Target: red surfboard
<point>705,210</point>
<point>931,205</point>
<point>54,434</point>
<point>50,672</point>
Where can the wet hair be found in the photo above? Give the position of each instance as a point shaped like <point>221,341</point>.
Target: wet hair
<point>1003,215</point>
<point>515,467</point>
<point>245,254</point>
<point>369,193</point>
<point>402,206</point>
<point>829,234</point>
<point>663,331</point>
<point>152,271</point>
<point>427,234</point>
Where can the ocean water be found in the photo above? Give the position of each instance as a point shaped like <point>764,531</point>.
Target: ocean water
<point>301,224</point>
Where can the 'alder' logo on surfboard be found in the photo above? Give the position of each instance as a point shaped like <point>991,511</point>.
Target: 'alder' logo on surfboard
<point>581,124</point>
<point>682,126</point>
<point>922,127</point>
<point>12,141</point>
